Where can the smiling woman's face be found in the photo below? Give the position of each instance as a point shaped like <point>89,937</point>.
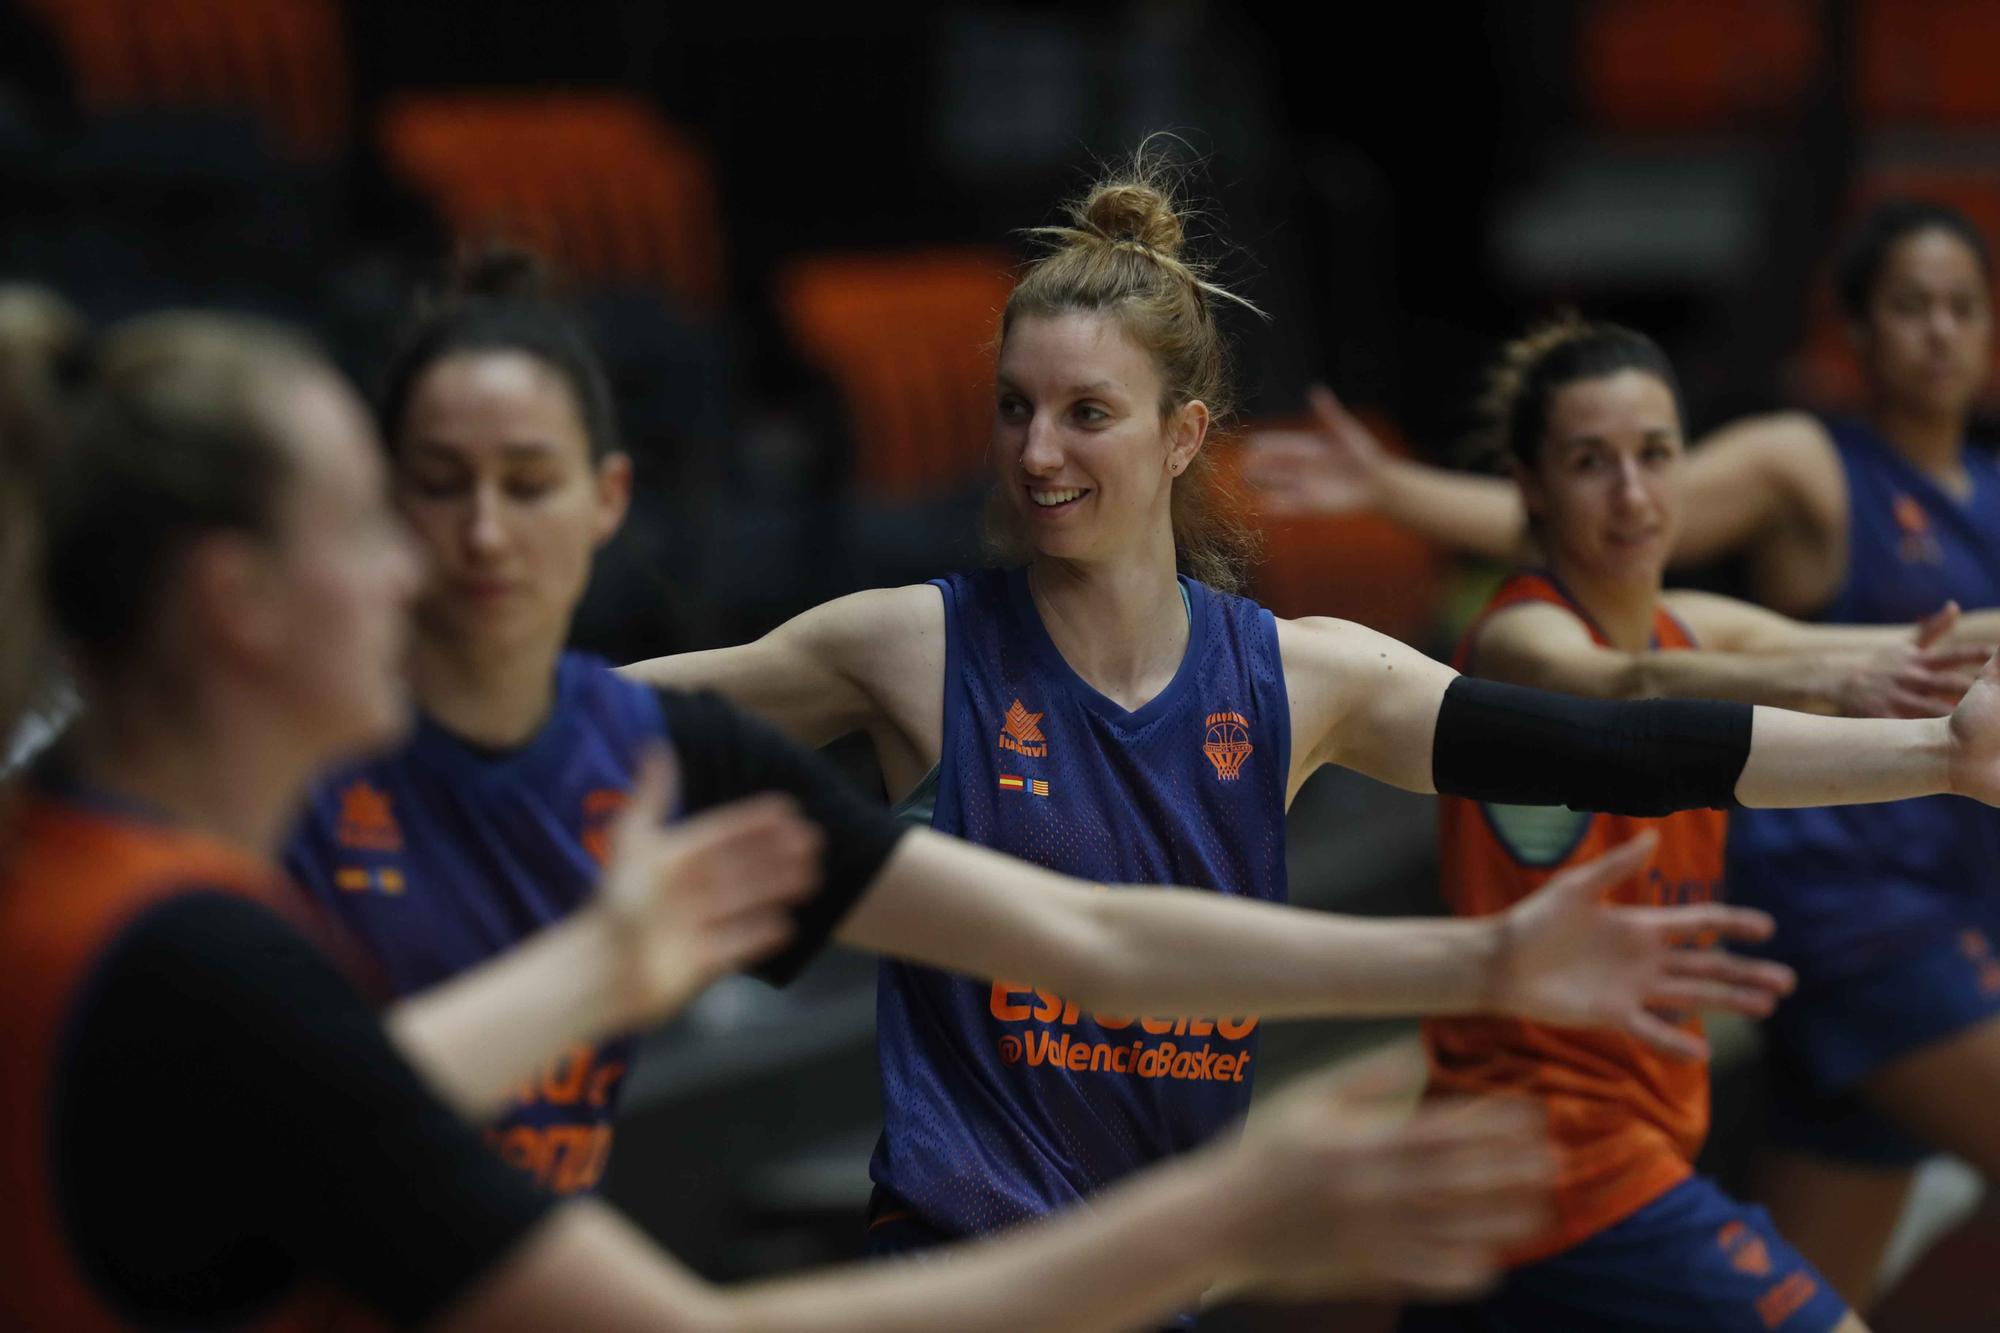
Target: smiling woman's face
<point>1606,482</point>
<point>1081,446</point>
<point>494,473</point>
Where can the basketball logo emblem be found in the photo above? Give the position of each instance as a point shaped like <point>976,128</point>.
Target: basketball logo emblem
<point>1228,744</point>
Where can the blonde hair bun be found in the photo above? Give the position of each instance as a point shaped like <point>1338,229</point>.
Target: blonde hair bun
<point>1136,211</point>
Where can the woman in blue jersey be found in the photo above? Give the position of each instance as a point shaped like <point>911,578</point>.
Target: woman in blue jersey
<point>1891,1047</point>
<point>1094,710</point>
<point>206,1126</point>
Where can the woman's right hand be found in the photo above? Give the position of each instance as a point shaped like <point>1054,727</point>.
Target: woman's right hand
<point>1925,677</point>
<point>1335,468</point>
<point>689,901</point>
<point>1356,1195</point>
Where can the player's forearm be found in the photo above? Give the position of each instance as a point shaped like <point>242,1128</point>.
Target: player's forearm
<point>1138,1254</point>
<point>1793,680</point>
<point>477,1036</point>
<point>1188,952</point>
<point>1481,515</point>
<point>1797,760</point>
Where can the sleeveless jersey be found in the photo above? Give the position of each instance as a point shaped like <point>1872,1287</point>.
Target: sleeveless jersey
<point>1856,887</point>
<point>1003,1102</point>
<point>1627,1123</point>
<point>75,875</point>
<point>440,855</point>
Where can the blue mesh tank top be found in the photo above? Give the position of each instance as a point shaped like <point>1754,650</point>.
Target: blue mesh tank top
<point>1002,1102</point>
<point>440,855</point>
<point>1857,887</point>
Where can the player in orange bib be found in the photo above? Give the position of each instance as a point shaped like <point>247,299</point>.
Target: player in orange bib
<point>1590,419</point>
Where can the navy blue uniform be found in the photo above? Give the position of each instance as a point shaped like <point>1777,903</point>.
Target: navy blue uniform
<point>443,854</point>
<point>1884,910</point>
<point>1002,1102</point>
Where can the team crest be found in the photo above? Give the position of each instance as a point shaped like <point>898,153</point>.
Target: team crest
<point>366,822</point>
<point>1227,744</point>
<point>1748,1254</point>
<point>1920,545</point>
<point>600,808</point>
<point>1021,732</point>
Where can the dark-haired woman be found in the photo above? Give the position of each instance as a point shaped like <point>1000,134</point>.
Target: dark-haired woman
<point>1104,708</point>
<point>205,1125</point>
<point>1890,1048</point>
<point>1589,418</point>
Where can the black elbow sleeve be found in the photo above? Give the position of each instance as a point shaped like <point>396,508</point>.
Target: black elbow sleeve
<point>1646,757</point>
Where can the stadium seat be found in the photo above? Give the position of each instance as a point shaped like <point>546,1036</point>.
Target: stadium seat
<point>1690,65</point>
<point>1929,62</point>
<point>281,61</point>
<point>595,180</point>
<point>908,340</point>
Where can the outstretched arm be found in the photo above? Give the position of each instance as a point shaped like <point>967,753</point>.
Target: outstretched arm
<point>1370,703</point>
<point>1339,467</point>
<point>1748,655</point>
<point>1771,486</point>
<point>1339,1196</point>
<point>850,665</point>
<point>1561,956</point>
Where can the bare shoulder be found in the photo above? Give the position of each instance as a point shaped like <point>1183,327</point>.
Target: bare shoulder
<point>1359,698</point>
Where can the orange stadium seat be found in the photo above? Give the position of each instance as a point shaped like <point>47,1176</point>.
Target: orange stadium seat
<point>283,61</point>
<point>908,339</point>
<point>1694,64</point>
<point>1359,567</point>
<point>1824,372</point>
<point>595,180</point>
<point>1929,62</point>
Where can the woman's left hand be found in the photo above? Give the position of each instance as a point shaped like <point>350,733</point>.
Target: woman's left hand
<point>1568,957</point>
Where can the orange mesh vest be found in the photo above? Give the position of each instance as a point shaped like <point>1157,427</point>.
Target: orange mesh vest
<point>1627,1123</point>
<point>71,879</point>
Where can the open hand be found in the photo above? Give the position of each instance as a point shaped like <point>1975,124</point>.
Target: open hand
<point>693,900</point>
<point>1924,678</point>
<point>1568,957</point>
<point>1335,468</point>
<point>1362,1196</point>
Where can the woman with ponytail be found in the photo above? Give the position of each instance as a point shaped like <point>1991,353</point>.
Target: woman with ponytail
<point>1587,416</point>
<point>1889,1051</point>
<point>1103,705</point>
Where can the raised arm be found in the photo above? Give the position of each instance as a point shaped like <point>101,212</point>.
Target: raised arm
<point>1748,655</point>
<point>1339,467</point>
<point>1773,489</point>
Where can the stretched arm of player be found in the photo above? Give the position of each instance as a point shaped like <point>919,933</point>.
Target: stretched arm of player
<point>1749,655</point>
<point>1339,467</point>
<point>309,1146</point>
<point>826,672</point>
<point>677,907</point>
<point>1367,702</point>
<point>1560,956</point>
<point>1339,1197</point>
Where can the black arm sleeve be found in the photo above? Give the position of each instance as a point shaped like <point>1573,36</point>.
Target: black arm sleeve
<point>725,755</point>
<point>1647,757</point>
<point>232,1120</point>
